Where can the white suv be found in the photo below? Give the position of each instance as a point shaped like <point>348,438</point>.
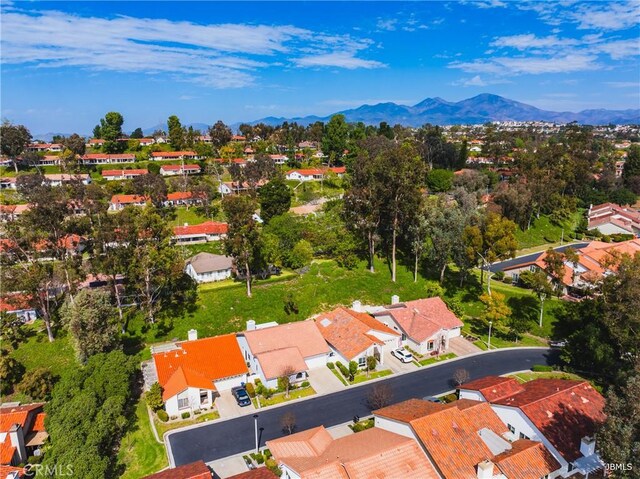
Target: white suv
<point>403,355</point>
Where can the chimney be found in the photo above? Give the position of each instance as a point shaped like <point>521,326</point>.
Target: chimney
<point>192,334</point>
<point>588,446</point>
<point>485,470</point>
<point>395,299</point>
<point>16,435</point>
<point>356,306</point>
<point>251,325</point>
<point>186,224</point>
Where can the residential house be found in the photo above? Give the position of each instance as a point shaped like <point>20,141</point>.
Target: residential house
<point>193,470</point>
<point>274,350</point>
<point>279,159</point>
<point>427,325</point>
<point>465,439</point>
<point>12,212</point>
<point>372,453</point>
<point>117,175</point>
<point>207,267</point>
<point>192,372</point>
<point>10,472</point>
<point>18,304</point>
<point>107,158</point>
<point>230,187</point>
<point>311,145</point>
<point>563,415</point>
<point>258,473</point>
<point>50,160</point>
<point>238,138</point>
<point>314,174</point>
<point>619,168</point>
<point>54,147</point>
<point>174,155</point>
<point>609,218</point>
<point>144,141</point>
<point>8,183</point>
<point>173,170</point>
<point>202,233</point>
<point>594,262</point>
<point>58,179</point>
<point>94,143</point>
<point>22,432</point>
<point>182,198</point>
<point>118,202</point>
<point>354,335</point>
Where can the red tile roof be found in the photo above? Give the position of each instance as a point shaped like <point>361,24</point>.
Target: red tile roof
<point>10,415</point>
<point>494,387</point>
<point>172,154</point>
<point>124,172</point>
<point>422,318</point>
<point>7,451</point>
<point>407,411</point>
<point>179,195</point>
<point>208,227</point>
<point>563,411</point>
<point>525,460</point>
<point>38,423</point>
<point>128,199</point>
<point>348,331</point>
<point>194,470</point>
<point>198,363</point>
<point>179,167</point>
<point>259,473</point>
<point>6,470</point>
<point>98,156</point>
<point>14,302</point>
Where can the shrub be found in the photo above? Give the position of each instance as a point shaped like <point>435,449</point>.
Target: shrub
<point>331,365</point>
<point>267,393</point>
<point>260,459</point>
<point>267,454</point>
<point>153,397</point>
<point>353,370</point>
<point>343,369</point>
<point>258,382</point>
<point>305,384</point>
<point>507,279</point>
<point>499,275</point>
<point>186,415</point>
<point>541,368</point>
<point>250,390</point>
<point>37,384</point>
<point>162,415</point>
<point>197,411</point>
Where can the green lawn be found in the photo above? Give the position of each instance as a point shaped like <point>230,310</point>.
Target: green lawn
<point>163,427</point>
<point>444,357</point>
<point>531,375</point>
<point>362,376</point>
<point>37,351</point>
<point>279,397</point>
<point>140,453</point>
<point>337,374</point>
<point>189,216</point>
<point>542,231</point>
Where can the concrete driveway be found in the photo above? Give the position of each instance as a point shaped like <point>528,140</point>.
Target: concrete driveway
<point>397,366</point>
<point>228,407</point>
<point>461,347</point>
<point>324,381</point>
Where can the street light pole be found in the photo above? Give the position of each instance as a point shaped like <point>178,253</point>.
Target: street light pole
<point>489,341</point>
<point>255,419</point>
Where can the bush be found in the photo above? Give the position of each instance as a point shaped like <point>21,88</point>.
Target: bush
<point>331,365</point>
<point>305,384</point>
<point>507,279</point>
<point>343,369</point>
<point>260,459</point>
<point>186,415</point>
<point>301,254</point>
<point>353,370</point>
<point>499,275</point>
<point>268,393</point>
<point>162,415</point>
<point>541,368</point>
<point>153,397</point>
<point>250,390</point>
<point>267,454</point>
<point>37,384</point>
<point>197,411</point>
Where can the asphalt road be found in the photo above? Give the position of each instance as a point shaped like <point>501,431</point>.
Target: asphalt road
<point>502,265</point>
<point>227,438</point>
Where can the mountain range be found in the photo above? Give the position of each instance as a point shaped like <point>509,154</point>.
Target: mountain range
<point>476,110</point>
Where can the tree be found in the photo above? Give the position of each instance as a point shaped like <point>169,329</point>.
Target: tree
<point>499,240</point>
<point>137,133</point>
<point>220,134</point>
<point>334,139</point>
<point>153,397</point>
<point>176,133</point>
<point>466,257</point>
<point>152,186</point>
<point>371,364</point>
<point>496,310</point>
<point>11,330</point>
<point>14,139</point>
<point>110,130</point>
<point>37,384</point>
<point>539,283</point>
<point>288,422</point>
<point>554,267</point>
<point>439,181</point>
<point>11,372</point>
<point>76,144</point>
<point>445,227</point>
<point>631,171</point>
<point>243,237</point>
<point>301,255</point>
<point>91,322</point>
<point>619,437</point>
<point>461,376</point>
<point>275,199</point>
<point>353,370</point>
<point>284,380</point>
<point>379,395</point>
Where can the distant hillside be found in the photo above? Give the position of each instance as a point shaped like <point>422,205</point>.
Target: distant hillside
<point>479,109</point>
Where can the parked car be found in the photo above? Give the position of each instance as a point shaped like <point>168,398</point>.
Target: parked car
<point>403,355</point>
<point>242,398</point>
<point>558,344</point>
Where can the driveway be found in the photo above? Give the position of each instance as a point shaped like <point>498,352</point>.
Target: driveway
<point>461,347</point>
<point>324,381</point>
<point>227,438</point>
<point>228,407</point>
<point>502,265</point>
<point>397,366</point>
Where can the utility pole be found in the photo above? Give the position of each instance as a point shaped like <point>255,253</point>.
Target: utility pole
<point>255,418</point>
<point>489,341</point>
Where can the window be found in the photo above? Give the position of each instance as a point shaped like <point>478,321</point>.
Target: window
<point>523,436</point>
<point>362,361</point>
<point>183,403</point>
<point>404,337</point>
<point>511,428</point>
<point>533,268</point>
<point>430,346</point>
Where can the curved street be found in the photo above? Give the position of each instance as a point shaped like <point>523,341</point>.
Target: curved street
<point>226,438</point>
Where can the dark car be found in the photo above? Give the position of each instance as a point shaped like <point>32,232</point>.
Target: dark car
<point>242,398</point>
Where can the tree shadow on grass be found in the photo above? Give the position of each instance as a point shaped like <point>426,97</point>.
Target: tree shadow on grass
<point>525,307</point>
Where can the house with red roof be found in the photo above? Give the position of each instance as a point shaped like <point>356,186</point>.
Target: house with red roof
<point>202,233</point>
<point>354,336</point>
<point>193,470</point>
<point>230,187</point>
<point>427,325</point>
<point>12,212</point>
<point>50,160</point>
<point>8,183</point>
<point>21,432</point>
<point>18,304</point>
<point>373,453</point>
<point>117,175</point>
<point>279,159</point>
<point>175,170</point>
<point>272,350</point>
<point>119,202</point>
<point>564,415</point>
<point>610,218</point>
<point>182,198</point>
<point>314,174</point>
<point>466,439</point>
<point>191,373</point>
<point>174,155</point>
<point>107,158</point>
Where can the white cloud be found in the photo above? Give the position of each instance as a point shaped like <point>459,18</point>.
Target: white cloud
<point>220,56</point>
<point>528,41</point>
<point>623,84</point>
<point>337,59</point>
<point>619,49</point>
<point>479,81</point>
<point>388,25</point>
<point>504,66</point>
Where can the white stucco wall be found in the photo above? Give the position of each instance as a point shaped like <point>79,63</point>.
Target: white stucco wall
<point>193,395</point>
<point>208,277</point>
<point>473,395</point>
<point>391,425</point>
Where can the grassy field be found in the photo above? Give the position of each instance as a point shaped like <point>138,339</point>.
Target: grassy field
<point>190,216</point>
<point>279,398</point>
<point>542,231</point>
<point>140,453</point>
<point>362,376</point>
<point>444,357</point>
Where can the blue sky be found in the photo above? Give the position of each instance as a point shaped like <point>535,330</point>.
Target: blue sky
<point>65,64</point>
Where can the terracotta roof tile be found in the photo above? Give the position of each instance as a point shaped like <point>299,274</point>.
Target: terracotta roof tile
<point>208,227</point>
<point>38,424</point>
<point>124,172</point>
<point>6,451</point>
<point>304,335</point>
<point>275,363</point>
<point>525,460</point>
<point>259,473</point>
<point>10,415</point>
<point>494,387</point>
<point>410,409</point>
<point>194,470</point>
